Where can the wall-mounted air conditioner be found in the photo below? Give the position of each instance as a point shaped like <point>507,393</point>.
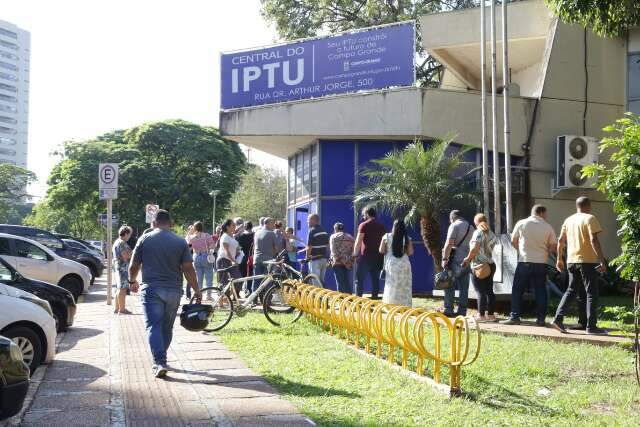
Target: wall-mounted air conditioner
<point>572,154</point>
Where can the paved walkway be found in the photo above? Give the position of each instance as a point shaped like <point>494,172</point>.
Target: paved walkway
<point>530,329</point>
<point>102,377</point>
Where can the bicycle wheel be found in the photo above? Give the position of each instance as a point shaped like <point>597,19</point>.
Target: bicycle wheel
<point>222,308</point>
<point>313,279</point>
<point>276,308</point>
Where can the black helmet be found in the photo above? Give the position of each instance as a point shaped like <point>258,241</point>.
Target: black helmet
<point>195,317</point>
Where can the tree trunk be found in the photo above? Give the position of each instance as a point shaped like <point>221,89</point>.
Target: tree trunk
<point>430,232</point>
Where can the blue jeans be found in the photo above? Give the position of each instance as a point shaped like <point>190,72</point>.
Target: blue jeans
<point>529,274</point>
<point>160,306</point>
<point>373,267</point>
<point>342,274</point>
<point>319,268</point>
<point>204,271</point>
<point>461,277</point>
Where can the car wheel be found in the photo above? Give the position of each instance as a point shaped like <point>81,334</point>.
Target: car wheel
<point>93,271</point>
<point>73,285</point>
<point>29,343</point>
<point>60,314</point>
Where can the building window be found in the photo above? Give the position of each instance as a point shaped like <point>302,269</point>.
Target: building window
<point>8,45</point>
<point>8,88</point>
<point>8,66</point>
<point>8,33</point>
<point>633,84</point>
<point>8,108</point>
<point>306,157</point>
<point>298,176</point>
<point>9,55</point>
<point>314,169</point>
<point>9,120</point>
<point>7,141</point>
<point>8,76</point>
<point>8,98</point>
<point>7,152</point>
<point>8,131</point>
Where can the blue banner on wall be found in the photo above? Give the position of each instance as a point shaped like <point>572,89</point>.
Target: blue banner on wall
<point>374,58</point>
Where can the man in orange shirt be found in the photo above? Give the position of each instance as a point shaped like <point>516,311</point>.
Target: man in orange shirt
<point>584,261</point>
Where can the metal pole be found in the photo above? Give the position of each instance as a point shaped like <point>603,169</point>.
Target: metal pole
<point>507,131</point>
<point>483,78</point>
<point>494,122</point>
<point>109,254</point>
<point>214,213</point>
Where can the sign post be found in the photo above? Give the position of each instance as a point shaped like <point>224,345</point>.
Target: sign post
<point>108,189</point>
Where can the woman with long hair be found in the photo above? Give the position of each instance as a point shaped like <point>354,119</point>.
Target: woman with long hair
<point>227,253</point>
<point>201,244</point>
<point>483,267</point>
<point>397,248</point>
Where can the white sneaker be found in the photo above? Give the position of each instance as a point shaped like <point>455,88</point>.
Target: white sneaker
<point>159,371</point>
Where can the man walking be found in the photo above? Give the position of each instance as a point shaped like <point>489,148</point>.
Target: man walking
<point>264,249</point>
<point>317,247</point>
<point>584,260</point>
<point>534,239</point>
<point>454,252</point>
<point>164,258</point>
<point>366,249</point>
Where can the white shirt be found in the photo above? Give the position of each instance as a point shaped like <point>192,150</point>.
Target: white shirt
<point>233,247</point>
<point>534,235</point>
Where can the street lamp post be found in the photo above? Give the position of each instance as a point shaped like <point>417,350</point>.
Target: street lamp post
<point>214,194</point>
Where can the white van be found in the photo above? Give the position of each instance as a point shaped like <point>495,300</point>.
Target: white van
<point>28,321</point>
<point>36,261</point>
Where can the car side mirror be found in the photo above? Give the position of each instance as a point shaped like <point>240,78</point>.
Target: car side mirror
<point>18,277</point>
<point>49,258</point>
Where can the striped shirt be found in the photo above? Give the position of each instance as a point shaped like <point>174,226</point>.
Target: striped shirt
<point>318,239</point>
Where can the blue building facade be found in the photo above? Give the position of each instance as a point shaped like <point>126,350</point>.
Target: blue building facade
<point>323,178</point>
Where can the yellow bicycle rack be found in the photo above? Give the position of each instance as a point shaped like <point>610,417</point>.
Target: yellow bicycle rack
<point>417,334</point>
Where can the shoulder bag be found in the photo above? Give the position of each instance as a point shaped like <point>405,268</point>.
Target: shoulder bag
<point>211,253</point>
<point>482,271</point>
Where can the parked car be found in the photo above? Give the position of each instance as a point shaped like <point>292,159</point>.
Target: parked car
<point>35,261</point>
<point>56,244</point>
<point>14,378</point>
<point>79,245</point>
<point>98,245</point>
<point>62,302</point>
<point>28,321</point>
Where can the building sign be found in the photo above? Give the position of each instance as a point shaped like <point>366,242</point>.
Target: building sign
<point>373,58</point>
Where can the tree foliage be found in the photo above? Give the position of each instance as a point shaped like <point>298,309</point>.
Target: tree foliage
<point>620,182</point>
<point>13,186</point>
<point>611,18</point>
<point>174,164</point>
<point>262,192</point>
<point>419,184</point>
<point>296,19</point>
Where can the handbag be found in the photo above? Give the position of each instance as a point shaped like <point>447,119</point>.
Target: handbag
<point>211,254</point>
<point>482,271</point>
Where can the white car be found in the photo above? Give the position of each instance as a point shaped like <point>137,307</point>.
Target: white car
<point>28,321</point>
<point>36,261</point>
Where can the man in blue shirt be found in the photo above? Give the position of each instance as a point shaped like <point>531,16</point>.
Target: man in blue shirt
<point>164,258</point>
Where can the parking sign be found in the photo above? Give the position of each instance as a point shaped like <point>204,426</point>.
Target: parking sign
<point>108,181</point>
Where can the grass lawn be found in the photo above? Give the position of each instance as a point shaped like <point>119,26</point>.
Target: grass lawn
<point>515,381</point>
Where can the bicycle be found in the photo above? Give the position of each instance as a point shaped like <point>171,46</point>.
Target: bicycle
<point>274,305</point>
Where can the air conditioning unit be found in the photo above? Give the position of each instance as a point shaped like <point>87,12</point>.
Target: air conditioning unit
<point>572,154</point>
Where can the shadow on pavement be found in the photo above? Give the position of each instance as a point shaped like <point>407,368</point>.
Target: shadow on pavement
<point>74,335</point>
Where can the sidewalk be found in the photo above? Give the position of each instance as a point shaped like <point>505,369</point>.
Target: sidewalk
<point>531,330</point>
<point>102,377</point>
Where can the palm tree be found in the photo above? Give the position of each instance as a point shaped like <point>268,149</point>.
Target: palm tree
<point>420,184</point>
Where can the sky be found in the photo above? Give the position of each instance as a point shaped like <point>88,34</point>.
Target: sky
<point>97,66</point>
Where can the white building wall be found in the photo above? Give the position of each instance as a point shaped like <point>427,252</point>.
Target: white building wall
<point>15,52</point>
